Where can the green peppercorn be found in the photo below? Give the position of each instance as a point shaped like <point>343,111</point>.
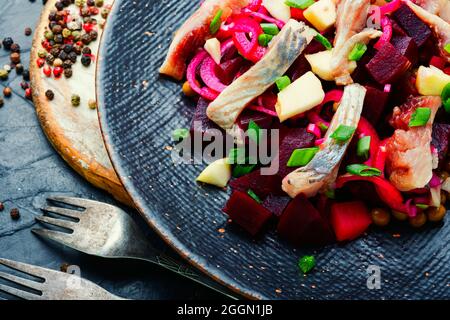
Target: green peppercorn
<point>66,33</point>
<point>92,104</point>
<point>49,35</point>
<point>42,53</point>
<point>99,3</point>
<point>76,35</point>
<point>105,13</point>
<point>75,100</point>
<point>3,74</point>
<point>80,3</point>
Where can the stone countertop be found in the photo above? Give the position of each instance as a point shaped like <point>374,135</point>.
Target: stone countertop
<point>30,170</point>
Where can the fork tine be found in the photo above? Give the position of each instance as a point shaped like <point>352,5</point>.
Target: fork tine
<point>60,237</point>
<point>22,281</point>
<point>57,222</point>
<point>25,268</point>
<point>63,212</point>
<point>78,202</point>
<point>19,293</point>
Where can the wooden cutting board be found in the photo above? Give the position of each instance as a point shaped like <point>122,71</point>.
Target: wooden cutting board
<point>74,131</point>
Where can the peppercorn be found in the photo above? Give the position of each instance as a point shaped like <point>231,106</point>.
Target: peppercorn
<point>399,215</point>
<point>26,75</point>
<point>47,70</point>
<point>419,220</point>
<point>90,3</point>
<point>94,35</point>
<point>40,62</point>
<point>92,104</point>
<point>28,31</point>
<point>42,53</point>
<point>7,43</point>
<point>7,92</point>
<point>2,206</point>
<point>49,35</point>
<point>50,59</point>
<point>1,105</point>
<point>15,47</point>
<point>86,38</point>
<point>57,72</point>
<point>105,13</point>
<point>19,68</point>
<point>55,51</point>
<point>73,57</point>
<point>76,35</point>
<point>15,57</point>
<point>58,62</point>
<point>380,217</point>
<point>24,85</point>
<point>86,60</point>
<point>66,33</point>
<point>75,100</point>
<point>59,6</point>
<point>58,38</point>
<point>85,12</point>
<point>436,214</point>
<point>49,94</point>
<point>3,74</point>
<point>80,3</point>
<point>15,214</point>
<point>66,3</point>
<point>28,93</point>
<point>93,11</point>
<point>67,64</point>
<point>68,72</point>
<point>99,3</point>
<point>57,29</point>
<point>63,55</point>
<point>87,50</point>
<point>77,49</point>
<point>52,15</point>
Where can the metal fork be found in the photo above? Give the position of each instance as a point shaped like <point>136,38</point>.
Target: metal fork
<point>54,285</point>
<point>107,231</point>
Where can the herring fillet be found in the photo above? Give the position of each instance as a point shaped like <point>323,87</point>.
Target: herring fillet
<point>322,170</point>
<point>193,34</point>
<point>284,49</point>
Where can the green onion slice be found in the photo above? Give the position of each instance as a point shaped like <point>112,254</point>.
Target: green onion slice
<point>422,206</point>
<point>363,171</point>
<point>254,131</point>
<point>255,197</point>
<point>180,134</point>
<point>264,39</point>
<point>282,82</point>
<point>216,22</point>
<point>300,4</point>
<point>420,117</point>
<point>301,157</point>
<point>242,169</point>
<point>323,127</point>
<point>330,193</point>
<point>306,263</point>
<point>324,41</point>
<point>270,28</point>
<point>447,48</point>
<point>343,133</point>
<point>445,95</point>
<point>357,52</point>
<point>363,147</point>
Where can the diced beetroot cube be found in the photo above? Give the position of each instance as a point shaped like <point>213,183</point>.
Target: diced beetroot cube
<point>407,47</point>
<point>398,31</point>
<point>388,65</point>
<point>374,104</point>
<point>441,137</point>
<point>276,204</point>
<point>302,225</point>
<point>261,119</point>
<point>299,67</point>
<point>349,219</point>
<point>291,139</point>
<point>246,212</point>
<point>412,25</point>
<point>200,122</point>
<point>262,185</point>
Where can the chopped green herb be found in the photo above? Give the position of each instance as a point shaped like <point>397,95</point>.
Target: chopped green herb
<point>357,52</point>
<point>301,157</point>
<point>422,206</point>
<point>242,169</point>
<point>180,134</point>
<point>264,39</point>
<point>330,193</point>
<point>216,22</point>
<point>282,82</point>
<point>270,28</point>
<point>300,4</point>
<point>254,131</point>
<point>363,170</point>
<point>306,263</point>
<point>255,197</point>
<point>323,127</point>
<point>420,117</point>
<point>343,133</point>
<point>445,95</point>
<point>447,48</point>
<point>324,41</point>
<point>363,147</point>
<point>237,156</point>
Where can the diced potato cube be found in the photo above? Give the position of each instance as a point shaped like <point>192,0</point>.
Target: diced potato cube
<point>300,96</point>
<point>321,64</point>
<point>322,14</point>
<point>217,173</point>
<point>212,46</point>
<point>431,81</point>
<point>278,9</point>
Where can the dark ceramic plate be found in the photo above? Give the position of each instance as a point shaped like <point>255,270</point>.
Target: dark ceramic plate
<point>138,112</point>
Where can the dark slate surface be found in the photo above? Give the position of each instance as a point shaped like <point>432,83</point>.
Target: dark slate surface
<point>30,170</point>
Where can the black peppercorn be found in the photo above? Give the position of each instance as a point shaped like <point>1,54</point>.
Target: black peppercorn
<point>87,50</point>
<point>15,47</point>
<point>86,38</point>
<point>57,29</point>
<point>86,60</point>
<point>73,57</point>
<point>15,57</point>
<point>90,3</point>
<point>2,102</point>
<point>94,35</point>
<point>49,94</point>
<point>67,64</point>
<point>68,48</point>
<point>28,31</point>
<point>66,3</point>
<point>63,55</point>
<point>59,6</point>
<point>19,68</point>
<point>26,75</point>
<point>52,15</point>
<point>7,43</point>
<point>24,85</point>
<point>15,214</point>
<point>68,72</point>
<point>77,49</point>
<point>50,59</point>
<point>85,12</point>
<point>2,206</point>
<point>59,38</point>
<point>55,51</point>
